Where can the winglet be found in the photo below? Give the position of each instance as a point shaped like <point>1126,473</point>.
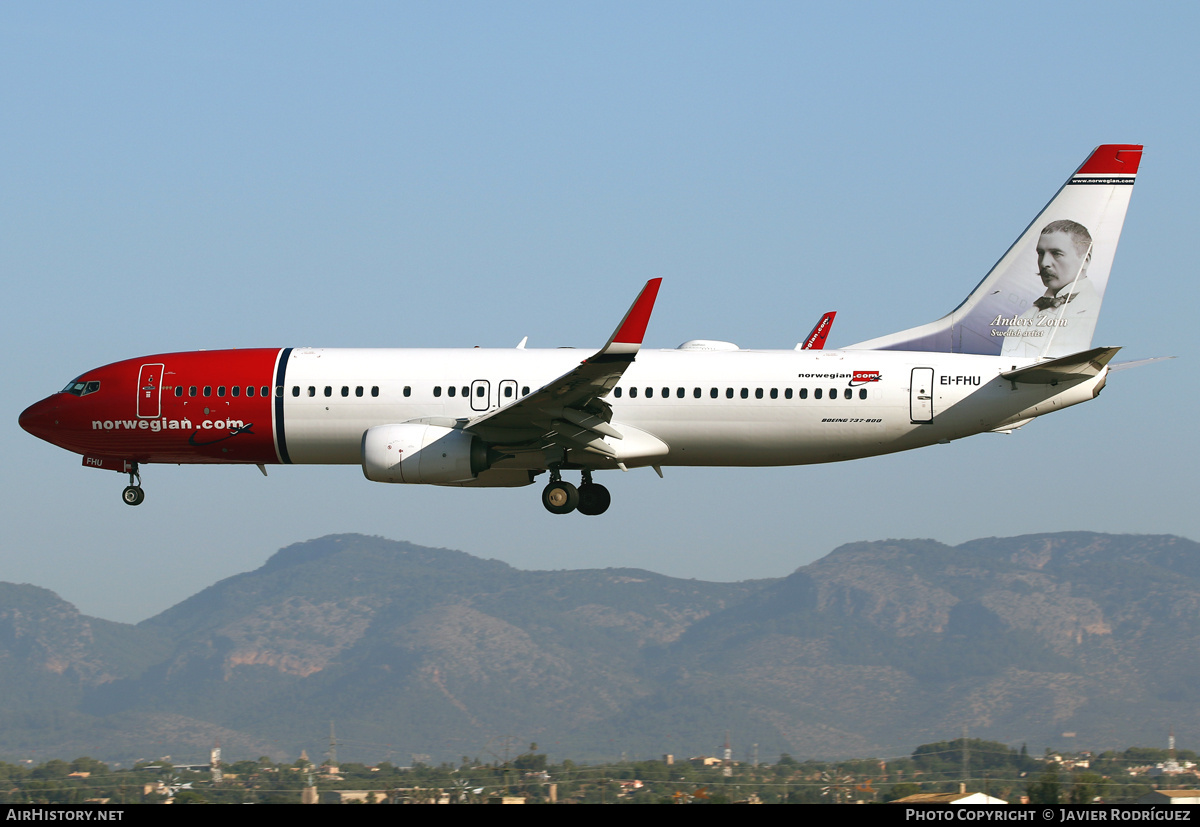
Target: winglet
<point>816,339</point>
<point>627,338</point>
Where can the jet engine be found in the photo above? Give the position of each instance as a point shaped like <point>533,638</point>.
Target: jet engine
<point>416,453</point>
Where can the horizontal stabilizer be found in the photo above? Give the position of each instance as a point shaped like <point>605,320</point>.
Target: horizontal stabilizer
<point>1076,366</point>
<point>1137,363</point>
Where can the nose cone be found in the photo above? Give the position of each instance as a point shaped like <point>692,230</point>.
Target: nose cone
<point>40,419</point>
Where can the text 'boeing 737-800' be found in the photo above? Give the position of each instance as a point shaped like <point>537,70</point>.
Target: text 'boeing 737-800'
<point>1019,346</point>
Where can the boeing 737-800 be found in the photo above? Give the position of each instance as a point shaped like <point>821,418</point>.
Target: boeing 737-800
<point>1019,346</point>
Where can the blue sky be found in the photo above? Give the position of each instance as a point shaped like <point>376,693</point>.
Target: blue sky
<point>215,175</point>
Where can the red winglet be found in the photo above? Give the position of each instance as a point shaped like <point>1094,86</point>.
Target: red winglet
<point>633,326</point>
<point>1113,159</point>
<point>816,339</point>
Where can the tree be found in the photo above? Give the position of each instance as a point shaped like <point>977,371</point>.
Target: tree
<point>1084,789</point>
<point>903,790</point>
<point>1046,789</point>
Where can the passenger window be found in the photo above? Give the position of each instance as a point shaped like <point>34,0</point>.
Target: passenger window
<point>666,394</point>
<point>450,391</point>
<point>312,391</point>
<point>633,393</point>
<point>525,390</point>
<point>437,390</point>
<point>479,391</point>
<point>358,391</point>
<point>192,390</point>
<point>328,390</point>
<point>649,393</point>
<point>804,393</point>
<point>295,390</point>
<point>208,390</point>
<point>679,393</point>
<point>508,391</point>
<point>249,390</point>
<point>862,393</point>
<point>220,390</point>
<point>729,393</point>
<point>279,391</point>
<point>713,393</point>
<point>787,393</point>
<point>833,393</point>
<point>407,391</point>
<point>179,390</point>
<point>235,391</point>
<point>817,393</point>
<point>758,393</point>
<point>774,393</point>
<point>848,393</point>
<point>745,393</point>
<point>617,392</point>
<point>696,393</point>
<point>375,390</point>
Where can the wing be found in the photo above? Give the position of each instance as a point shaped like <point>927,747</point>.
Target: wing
<point>570,412</point>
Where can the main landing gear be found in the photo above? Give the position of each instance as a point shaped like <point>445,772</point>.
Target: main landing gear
<point>561,497</point>
<point>133,493</point>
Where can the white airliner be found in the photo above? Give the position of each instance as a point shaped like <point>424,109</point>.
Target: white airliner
<point>1019,346</point>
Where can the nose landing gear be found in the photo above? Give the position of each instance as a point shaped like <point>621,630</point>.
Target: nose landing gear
<point>561,497</point>
<point>133,493</point>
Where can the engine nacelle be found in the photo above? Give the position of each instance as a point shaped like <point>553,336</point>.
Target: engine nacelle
<point>422,454</point>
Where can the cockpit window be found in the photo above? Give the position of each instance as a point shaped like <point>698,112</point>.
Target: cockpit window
<point>78,387</point>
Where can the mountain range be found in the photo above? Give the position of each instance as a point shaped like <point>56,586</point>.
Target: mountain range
<point>1073,641</point>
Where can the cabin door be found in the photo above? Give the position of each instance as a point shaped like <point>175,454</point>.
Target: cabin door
<point>149,393</point>
<point>920,395</point>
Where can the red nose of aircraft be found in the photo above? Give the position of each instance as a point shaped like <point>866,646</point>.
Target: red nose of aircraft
<point>41,419</point>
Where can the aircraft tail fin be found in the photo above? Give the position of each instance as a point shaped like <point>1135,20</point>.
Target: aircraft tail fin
<point>1042,298</point>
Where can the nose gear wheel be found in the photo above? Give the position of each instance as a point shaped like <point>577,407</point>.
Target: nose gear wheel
<point>133,493</point>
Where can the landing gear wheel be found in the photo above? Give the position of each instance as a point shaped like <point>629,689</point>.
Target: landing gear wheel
<point>560,497</point>
<point>593,499</point>
<point>133,495</point>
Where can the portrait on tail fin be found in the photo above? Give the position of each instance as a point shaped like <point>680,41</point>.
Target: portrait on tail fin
<point>1042,298</point>
<point>1064,251</point>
